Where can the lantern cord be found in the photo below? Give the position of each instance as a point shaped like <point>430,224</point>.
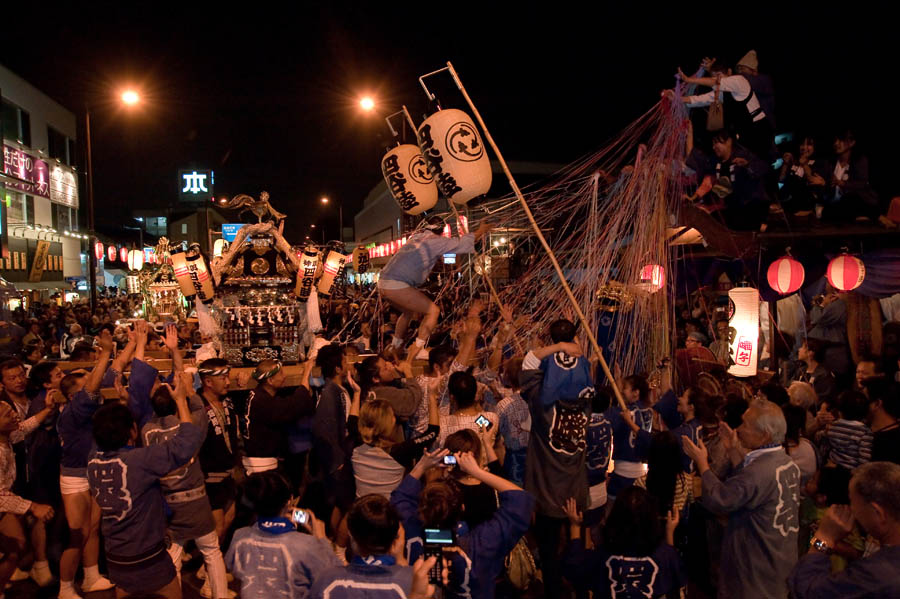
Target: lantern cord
<point>540,236</point>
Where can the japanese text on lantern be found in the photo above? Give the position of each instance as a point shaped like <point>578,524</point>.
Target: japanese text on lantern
<point>404,197</point>
<point>309,272</point>
<point>744,351</point>
<point>446,183</point>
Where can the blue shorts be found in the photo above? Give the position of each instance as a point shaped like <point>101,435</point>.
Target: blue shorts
<point>142,574</point>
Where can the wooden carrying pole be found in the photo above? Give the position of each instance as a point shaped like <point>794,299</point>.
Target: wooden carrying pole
<point>537,230</point>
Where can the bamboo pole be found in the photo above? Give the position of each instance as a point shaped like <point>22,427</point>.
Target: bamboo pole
<point>537,230</point>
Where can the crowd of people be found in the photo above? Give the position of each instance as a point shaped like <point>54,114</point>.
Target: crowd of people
<point>810,176</point>
<point>500,469</point>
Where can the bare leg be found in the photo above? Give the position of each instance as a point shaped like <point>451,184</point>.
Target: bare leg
<point>223,519</point>
<point>92,546</point>
<point>412,301</point>
<point>39,541</point>
<point>78,515</point>
<point>12,544</point>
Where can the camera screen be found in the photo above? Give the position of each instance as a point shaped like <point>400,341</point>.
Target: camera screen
<point>439,536</point>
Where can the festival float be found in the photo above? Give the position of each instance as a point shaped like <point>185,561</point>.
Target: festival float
<point>256,302</point>
<point>163,299</point>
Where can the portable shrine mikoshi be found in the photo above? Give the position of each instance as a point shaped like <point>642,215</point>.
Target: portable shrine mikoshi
<point>260,316</point>
<point>163,299</point>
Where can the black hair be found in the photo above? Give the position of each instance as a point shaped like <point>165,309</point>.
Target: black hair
<point>707,407</point>
<point>638,382</point>
<point>633,527</point>
<point>68,382</point>
<point>9,364</point>
<point>816,348</point>
<point>562,331</point>
<point>268,493</point>
<point>163,402</point>
<point>40,374</point>
<point>112,426</point>
<point>366,372</point>
<point>722,135</point>
<point>853,405</point>
<point>462,387</point>
<point>733,410</point>
<point>664,465</point>
<point>718,66</point>
<point>373,524</point>
<point>82,352</point>
<point>601,401</point>
<point>329,359</point>
<point>775,393</point>
<point>795,418</point>
<point>890,400</point>
<point>440,355</point>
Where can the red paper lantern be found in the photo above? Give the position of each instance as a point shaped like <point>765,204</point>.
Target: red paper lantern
<point>654,277</point>
<point>785,275</point>
<point>123,254</point>
<point>846,273</point>
<point>98,250</point>
<point>111,253</point>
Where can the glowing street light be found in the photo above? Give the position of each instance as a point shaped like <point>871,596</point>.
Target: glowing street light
<point>367,103</point>
<point>324,200</point>
<point>130,97</point>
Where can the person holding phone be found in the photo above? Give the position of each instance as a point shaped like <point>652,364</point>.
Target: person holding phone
<point>463,390</point>
<point>476,559</point>
<point>285,551</point>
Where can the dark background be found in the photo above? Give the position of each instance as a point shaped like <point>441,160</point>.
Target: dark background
<point>267,95</point>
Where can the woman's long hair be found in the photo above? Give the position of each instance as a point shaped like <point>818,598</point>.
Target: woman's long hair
<point>376,422</point>
<point>633,527</point>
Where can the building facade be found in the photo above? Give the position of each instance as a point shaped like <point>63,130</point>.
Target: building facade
<point>42,244</point>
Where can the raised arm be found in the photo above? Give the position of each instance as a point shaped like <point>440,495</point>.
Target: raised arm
<point>124,356</point>
<point>141,329</point>
<point>471,329</point>
<point>469,465</point>
<point>105,342</point>
<point>171,342</point>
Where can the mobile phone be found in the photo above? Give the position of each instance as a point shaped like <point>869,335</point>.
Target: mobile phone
<point>436,540</point>
<point>299,517</point>
<point>484,422</point>
<point>450,460</point>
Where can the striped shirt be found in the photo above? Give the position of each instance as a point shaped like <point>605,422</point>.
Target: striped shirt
<point>850,442</point>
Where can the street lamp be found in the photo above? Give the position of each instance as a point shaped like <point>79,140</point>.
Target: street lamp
<point>325,200</point>
<point>367,103</point>
<point>129,98</point>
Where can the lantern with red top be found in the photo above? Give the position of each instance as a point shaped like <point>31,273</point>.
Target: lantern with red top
<point>653,278</point>
<point>123,254</point>
<point>111,253</point>
<point>98,250</point>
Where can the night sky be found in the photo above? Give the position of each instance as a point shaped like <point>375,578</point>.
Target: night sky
<point>268,98</point>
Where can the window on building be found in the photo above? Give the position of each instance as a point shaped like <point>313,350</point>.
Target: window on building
<point>10,116</point>
<point>15,208</point>
<point>29,210</point>
<point>56,145</point>
<point>16,123</point>
<point>62,217</point>
<point>184,228</point>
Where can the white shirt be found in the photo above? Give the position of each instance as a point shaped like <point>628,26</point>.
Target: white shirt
<point>840,173</point>
<point>738,87</point>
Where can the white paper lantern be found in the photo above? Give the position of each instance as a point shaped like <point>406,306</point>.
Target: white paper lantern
<point>743,331</point>
<point>132,284</point>
<point>306,276</point>
<point>219,247</point>
<point>408,178</point>
<point>456,155</point>
<point>193,276</point>
<point>334,264</point>
<point>135,260</point>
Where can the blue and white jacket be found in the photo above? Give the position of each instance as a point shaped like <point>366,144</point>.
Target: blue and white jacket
<point>373,577</point>
<point>482,549</point>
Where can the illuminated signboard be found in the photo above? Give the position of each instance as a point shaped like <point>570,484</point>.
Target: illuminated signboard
<point>196,185</point>
<point>229,231</point>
